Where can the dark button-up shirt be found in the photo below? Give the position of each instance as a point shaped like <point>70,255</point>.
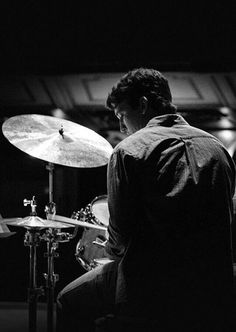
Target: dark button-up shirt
<point>170,189</point>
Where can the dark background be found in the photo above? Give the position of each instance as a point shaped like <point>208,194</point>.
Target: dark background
<point>82,36</point>
<point>65,37</point>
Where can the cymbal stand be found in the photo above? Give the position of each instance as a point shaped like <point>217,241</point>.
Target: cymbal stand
<point>50,277</point>
<point>52,237</point>
<point>32,239</point>
<point>51,207</point>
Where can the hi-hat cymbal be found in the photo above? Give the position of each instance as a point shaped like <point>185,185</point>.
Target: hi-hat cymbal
<point>57,140</point>
<point>34,222</point>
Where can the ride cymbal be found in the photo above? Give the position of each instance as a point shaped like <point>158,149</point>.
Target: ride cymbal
<point>57,140</point>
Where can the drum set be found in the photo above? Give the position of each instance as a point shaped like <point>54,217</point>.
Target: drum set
<point>62,142</point>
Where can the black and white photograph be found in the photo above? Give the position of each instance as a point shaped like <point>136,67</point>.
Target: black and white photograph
<point>118,166</point>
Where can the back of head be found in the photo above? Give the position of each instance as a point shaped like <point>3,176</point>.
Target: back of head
<point>140,82</point>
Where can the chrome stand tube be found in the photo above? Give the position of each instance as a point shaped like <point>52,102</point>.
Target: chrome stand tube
<point>32,240</point>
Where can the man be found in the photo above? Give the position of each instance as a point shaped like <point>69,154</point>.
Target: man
<point>170,189</point>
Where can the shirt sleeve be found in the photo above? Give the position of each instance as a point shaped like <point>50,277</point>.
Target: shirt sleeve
<point>122,182</point>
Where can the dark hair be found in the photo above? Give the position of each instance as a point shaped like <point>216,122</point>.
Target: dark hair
<point>142,82</point>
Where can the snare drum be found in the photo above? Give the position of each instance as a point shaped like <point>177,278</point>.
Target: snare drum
<point>90,250</point>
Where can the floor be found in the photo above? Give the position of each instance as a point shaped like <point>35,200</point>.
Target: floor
<point>14,317</point>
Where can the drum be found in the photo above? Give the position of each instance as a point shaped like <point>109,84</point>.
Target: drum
<point>90,250</point>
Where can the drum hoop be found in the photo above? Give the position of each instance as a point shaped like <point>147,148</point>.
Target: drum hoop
<point>97,198</point>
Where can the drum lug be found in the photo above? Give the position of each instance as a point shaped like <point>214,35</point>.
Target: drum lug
<point>81,250</point>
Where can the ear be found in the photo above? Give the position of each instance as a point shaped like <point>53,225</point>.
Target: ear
<point>143,104</point>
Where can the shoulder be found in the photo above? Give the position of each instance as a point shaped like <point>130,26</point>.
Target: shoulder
<point>132,145</point>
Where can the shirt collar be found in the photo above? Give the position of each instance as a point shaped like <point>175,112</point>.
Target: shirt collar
<point>167,120</point>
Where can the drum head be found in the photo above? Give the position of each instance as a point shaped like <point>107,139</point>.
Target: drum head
<point>99,208</point>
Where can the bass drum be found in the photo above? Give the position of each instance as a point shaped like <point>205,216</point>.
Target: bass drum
<point>90,251</point>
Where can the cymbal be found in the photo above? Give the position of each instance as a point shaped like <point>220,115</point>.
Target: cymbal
<point>6,234</point>
<point>57,140</point>
<point>34,222</point>
<point>76,222</point>
<point>4,230</point>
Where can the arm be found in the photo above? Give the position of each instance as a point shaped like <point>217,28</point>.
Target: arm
<point>122,191</point>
